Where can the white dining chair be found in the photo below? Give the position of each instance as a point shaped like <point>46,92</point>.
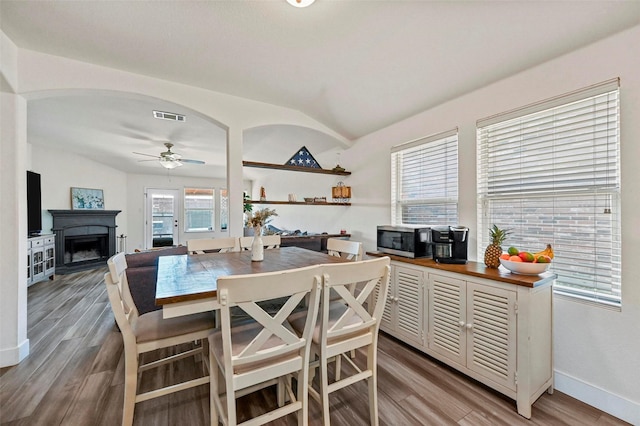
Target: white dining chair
<point>268,242</point>
<point>350,250</point>
<point>349,324</point>
<point>263,351</point>
<point>212,245</point>
<point>149,332</point>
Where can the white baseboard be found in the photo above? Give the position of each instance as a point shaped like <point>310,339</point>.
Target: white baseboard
<point>13,356</point>
<point>615,405</point>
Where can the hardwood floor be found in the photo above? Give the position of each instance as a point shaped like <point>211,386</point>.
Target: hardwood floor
<point>74,376</point>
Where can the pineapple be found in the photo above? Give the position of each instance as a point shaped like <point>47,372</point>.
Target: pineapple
<point>494,250</point>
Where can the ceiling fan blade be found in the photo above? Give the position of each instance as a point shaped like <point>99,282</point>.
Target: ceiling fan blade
<point>143,161</point>
<point>148,155</point>
<point>183,160</point>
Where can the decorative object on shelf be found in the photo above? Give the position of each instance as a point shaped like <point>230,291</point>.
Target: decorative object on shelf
<point>494,250</point>
<point>320,200</point>
<point>293,168</point>
<point>337,168</point>
<point>263,194</point>
<point>292,198</point>
<point>257,220</point>
<point>303,158</point>
<point>87,199</point>
<point>308,199</point>
<point>341,193</point>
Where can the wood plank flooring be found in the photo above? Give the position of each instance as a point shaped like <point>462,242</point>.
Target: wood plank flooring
<point>74,376</point>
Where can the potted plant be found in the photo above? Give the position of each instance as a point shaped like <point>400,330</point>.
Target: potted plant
<point>247,207</point>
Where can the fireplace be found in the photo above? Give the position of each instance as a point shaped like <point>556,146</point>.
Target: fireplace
<point>85,239</point>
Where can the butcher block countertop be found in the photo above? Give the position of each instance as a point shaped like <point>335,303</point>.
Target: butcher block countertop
<point>474,269</point>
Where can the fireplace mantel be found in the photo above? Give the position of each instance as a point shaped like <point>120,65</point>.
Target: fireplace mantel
<point>77,223</point>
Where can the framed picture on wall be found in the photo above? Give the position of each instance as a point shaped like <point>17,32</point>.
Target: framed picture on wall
<point>87,199</point>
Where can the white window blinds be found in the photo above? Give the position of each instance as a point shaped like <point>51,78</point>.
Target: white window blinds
<point>424,180</point>
<point>199,209</point>
<point>551,173</point>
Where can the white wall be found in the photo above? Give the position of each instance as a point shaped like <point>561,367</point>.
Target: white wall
<point>597,350</point>
<point>61,170</point>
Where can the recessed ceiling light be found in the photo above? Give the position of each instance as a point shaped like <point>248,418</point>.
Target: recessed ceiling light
<point>169,116</point>
<point>300,3</point>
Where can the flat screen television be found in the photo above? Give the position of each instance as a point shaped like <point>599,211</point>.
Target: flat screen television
<point>34,203</point>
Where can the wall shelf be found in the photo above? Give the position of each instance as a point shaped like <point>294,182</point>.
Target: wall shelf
<point>294,169</point>
<point>298,203</point>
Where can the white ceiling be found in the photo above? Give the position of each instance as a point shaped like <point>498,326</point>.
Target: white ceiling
<point>355,66</point>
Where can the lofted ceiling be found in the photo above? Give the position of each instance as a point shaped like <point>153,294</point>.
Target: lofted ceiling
<point>355,66</point>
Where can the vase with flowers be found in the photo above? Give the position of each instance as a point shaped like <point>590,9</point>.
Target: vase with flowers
<point>257,220</point>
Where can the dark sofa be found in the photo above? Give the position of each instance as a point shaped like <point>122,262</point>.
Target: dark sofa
<point>142,272</point>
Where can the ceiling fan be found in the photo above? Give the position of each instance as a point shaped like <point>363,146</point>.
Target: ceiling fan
<point>169,159</point>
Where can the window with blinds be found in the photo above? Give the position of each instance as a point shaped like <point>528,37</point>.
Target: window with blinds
<point>550,172</point>
<point>424,181</point>
<point>199,210</point>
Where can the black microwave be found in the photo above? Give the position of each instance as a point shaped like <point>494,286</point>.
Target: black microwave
<point>405,240</point>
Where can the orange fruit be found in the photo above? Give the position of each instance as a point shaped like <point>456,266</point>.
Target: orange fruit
<point>505,256</point>
<point>515,259</point>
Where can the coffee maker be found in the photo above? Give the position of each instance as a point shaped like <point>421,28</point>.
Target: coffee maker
<point>450,244</point>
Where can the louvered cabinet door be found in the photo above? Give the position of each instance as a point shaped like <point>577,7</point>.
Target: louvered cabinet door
<point>491,333</point>
<point>447,311</point>
<point>409,287</point>
<point>387,322</point>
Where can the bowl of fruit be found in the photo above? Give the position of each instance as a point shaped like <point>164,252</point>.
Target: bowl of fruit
<point>527,263</point>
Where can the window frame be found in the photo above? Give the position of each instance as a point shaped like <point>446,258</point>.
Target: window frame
<point>594,185</point>
<point>443,195</point>
<point>187,209</point>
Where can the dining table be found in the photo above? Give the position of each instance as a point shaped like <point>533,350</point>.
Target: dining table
<point>187,284</point>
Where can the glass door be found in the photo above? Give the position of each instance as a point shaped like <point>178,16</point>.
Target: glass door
<point>162,222</point>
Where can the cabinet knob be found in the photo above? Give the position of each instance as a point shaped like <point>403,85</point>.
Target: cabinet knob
<point>395,299</point>
<point>469,326</point>
<point>461,323</point>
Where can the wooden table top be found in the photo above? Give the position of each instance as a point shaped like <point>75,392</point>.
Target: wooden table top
<point>475,269</point>
<point>193,277</point>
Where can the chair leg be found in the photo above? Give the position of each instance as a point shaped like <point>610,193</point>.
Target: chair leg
<point>213,389</point>
<point>231,401</point>
<point>303,396</point>
<point>373,385</point>
<point>130,388</point>
<point>281,387</point>
<point>324,390</point>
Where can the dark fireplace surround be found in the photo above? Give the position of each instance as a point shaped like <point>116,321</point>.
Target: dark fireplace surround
<point>85,239</point>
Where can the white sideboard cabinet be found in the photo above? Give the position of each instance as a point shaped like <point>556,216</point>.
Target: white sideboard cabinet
<point>41,258</point>
<point>489,324</point>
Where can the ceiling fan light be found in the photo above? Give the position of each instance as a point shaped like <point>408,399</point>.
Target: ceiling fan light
<point>300,3</point>
<point>170,164</point>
